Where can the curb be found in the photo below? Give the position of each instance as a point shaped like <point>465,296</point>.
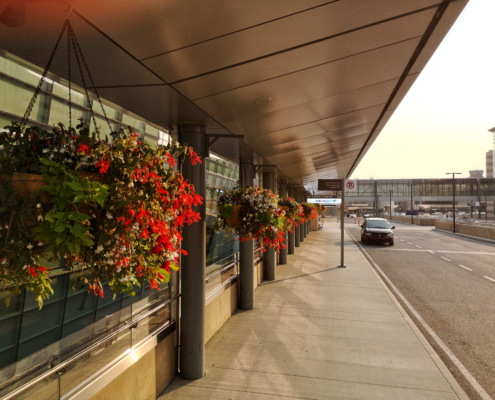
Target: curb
<point>463,235</point>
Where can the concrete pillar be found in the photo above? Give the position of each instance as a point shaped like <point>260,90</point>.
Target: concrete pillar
<point>193,266</point>
<point>282,258</point>
<point>302,224</point>
<point>270,259</point>
<point>246,248</point>
<point>292,235</point>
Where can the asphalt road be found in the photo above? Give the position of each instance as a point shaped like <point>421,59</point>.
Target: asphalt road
<point>450,281</point>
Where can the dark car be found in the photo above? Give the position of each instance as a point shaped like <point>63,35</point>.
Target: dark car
<point>377,230</point>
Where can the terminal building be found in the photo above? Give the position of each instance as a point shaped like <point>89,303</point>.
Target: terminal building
<point>281,92</point>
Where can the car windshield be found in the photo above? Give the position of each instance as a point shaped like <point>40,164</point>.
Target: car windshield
<point>378,224</point>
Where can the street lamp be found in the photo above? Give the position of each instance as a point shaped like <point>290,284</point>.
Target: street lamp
<point>453,197</point>
<point>412,204</point>
<point>390,217</point>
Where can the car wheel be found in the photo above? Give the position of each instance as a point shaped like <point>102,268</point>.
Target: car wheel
<point>391,243</point>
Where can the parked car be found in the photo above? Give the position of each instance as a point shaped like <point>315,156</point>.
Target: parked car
<point>368,215</point>
<point>437,213</point>
<point>377,230</point>
<point>402,214</point>
<point>352,216</point>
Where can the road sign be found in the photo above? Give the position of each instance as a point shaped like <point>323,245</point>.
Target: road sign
<point>330,184</point>
<point>351,186</point>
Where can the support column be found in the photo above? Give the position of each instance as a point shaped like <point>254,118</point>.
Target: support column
<point>292,235</point>
<point>282,258</point>
<point>270,258</point>
<point>305,226</point>
<point>193,268</point>
<point>246,248</point>
<point>302,224</point>
<point>308,222</point>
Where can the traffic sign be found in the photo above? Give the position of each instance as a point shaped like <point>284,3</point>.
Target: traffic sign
<point>330,184</point>
<point>350,185</point>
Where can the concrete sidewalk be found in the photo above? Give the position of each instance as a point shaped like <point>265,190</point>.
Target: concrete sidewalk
<point>321,332</point>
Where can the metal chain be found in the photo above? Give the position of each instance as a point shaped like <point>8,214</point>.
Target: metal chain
<point>71,34</point>
<point>38,88</point>
<point>90,78</point>
<point>70,95</point>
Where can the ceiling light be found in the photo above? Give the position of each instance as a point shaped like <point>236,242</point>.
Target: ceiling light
<point>262,100</point>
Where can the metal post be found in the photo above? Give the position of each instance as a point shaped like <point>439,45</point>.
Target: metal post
<point>292,235</point>
<point>270,258</point>
<point>283,251</point>
<point>412,205</point>
<point>478,197</point>
<point>453,197</point>
<point>390,213</point>
<point>192,335</point>
<point>377,205</point>
<point>453,203</point>
<point>246,248</point>
<point>342,264</point>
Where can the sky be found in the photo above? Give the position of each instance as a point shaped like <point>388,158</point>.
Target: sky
<point>442,123</point>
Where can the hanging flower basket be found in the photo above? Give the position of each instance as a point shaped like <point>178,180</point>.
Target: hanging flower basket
<point>310,211</point>
<point>232,215</point>
<point>252,213</point>
<point>291,207</point>
<point>116,221</point>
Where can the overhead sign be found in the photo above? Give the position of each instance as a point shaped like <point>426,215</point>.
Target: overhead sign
<point>325,202</point>
<point>330,184</point>
<point>350,185</point>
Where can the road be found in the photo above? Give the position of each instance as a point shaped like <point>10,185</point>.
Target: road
<point>450,282</point>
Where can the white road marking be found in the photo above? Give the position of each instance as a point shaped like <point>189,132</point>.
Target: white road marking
<point>436,251</point>
<point>446,259</point>
<point>409,243</point>
<point>429,251</point>
<point>457,245</point>
<point>401,240</point>
<point>469,269</point>
<point>489,278</point>
<point>436,239</point>
<point>470,378</point>
<point>419,247</point>
<point>420,234</point>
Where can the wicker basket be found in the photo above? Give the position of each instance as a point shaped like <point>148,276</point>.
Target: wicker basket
<point>235,220</point>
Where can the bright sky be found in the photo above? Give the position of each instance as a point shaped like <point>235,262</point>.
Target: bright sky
<point>442,123</point>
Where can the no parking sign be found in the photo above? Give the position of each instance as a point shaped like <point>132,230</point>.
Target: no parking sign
<point>350,185</point>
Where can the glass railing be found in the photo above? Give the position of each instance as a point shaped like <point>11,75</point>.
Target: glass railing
<point>64,366</point>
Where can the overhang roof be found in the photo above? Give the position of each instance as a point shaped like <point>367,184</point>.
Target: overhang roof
<point>335,70</point>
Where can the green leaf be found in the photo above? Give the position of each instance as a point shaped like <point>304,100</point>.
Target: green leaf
<point>74,185</point>
<point>59,228</point>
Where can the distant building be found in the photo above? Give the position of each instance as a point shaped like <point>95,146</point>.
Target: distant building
<point>489,164</point>
<point>476,173</point>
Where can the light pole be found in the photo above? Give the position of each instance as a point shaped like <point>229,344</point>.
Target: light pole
<point>453,197</point>
<point>390,216</point>
<point>412,204</point>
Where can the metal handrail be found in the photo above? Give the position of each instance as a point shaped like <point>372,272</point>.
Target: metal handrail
<point>69,361</point>
<point>219,271</point>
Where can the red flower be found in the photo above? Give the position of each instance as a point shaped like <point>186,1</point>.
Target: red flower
<point>33,272</point>
<point>194,157</point>
<point>84,148</point>
<point>103,165</point>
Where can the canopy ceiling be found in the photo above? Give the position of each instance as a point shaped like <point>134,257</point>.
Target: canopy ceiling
<point>335,71</point>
